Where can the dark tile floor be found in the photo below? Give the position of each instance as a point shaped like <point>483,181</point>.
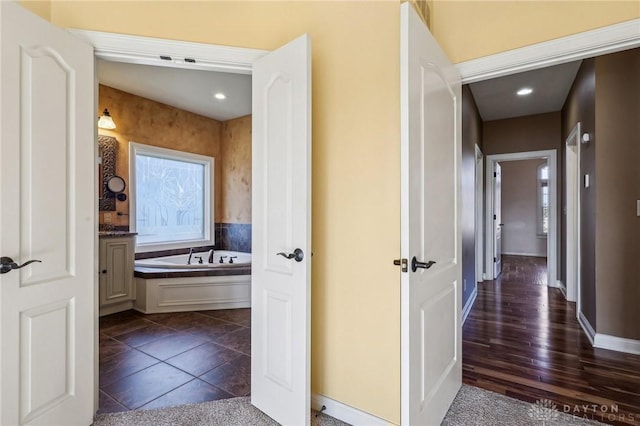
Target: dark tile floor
<point>161,360</point>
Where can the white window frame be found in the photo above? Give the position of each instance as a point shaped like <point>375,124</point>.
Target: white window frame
<point>539,185</point>
<point>209,224</point>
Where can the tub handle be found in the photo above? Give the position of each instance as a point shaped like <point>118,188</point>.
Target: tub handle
<point>297,255</point>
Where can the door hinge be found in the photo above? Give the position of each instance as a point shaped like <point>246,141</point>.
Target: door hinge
<point>404,263</point>
<point>495,260</point>
<point>494,217</point>
<point>495,174</point>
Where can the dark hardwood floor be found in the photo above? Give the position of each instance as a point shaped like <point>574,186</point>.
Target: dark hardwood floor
<point>522,340</point>
<point>162,360</point>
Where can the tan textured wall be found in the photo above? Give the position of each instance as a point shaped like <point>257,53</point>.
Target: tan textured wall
<point>148,122</point>
<point>235,141</point>
<point>617,184</point>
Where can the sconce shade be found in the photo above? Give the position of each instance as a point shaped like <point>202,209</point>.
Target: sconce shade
<point>105,121</point>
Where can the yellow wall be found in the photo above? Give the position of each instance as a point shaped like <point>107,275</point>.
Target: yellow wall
<point>475,28</point>
<point>41,8</point>
<point>356,166</point>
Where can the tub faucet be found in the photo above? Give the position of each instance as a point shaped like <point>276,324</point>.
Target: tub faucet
<point>190,254</point>
<point>211,256</point>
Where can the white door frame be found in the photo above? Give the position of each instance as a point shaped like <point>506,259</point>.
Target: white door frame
<point>573,185</point>
<point>601,41</point>
<point>552,238</point>
<point>479,211</point>
<point>147,51</point>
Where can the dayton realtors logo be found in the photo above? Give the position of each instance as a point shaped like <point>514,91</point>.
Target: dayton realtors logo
<point>544,411</point>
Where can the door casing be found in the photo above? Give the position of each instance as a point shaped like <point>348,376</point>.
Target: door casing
<point>572,190</point>
<point>552,238</point>
<point>144,50</point>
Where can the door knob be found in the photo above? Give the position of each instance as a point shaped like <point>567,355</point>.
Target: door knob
<point>415,264</point>
<point>7,264</point>
<point>297,255</point>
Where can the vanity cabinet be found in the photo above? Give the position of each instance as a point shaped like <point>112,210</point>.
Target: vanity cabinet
<point>116,258</point>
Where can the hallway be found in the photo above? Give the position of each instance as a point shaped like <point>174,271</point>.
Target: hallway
<point>522,339</point>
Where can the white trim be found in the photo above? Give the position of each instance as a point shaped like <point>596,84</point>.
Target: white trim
<point>346,413</point>
<point>586,327</point>
<point>469,304</point>
<point>559,285</point>
<point>208,237</point>
<point>583,45</point>
<point>147,51</point>
<point>572,208</point>
<point>552,248</point>
<point>512,253</point>
<point>479,213</point>
<point>615,343</point>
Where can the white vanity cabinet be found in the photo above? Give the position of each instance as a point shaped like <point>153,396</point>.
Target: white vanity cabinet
<point>116,258</point>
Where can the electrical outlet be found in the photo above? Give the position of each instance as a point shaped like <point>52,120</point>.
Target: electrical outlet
<point>107,217</point>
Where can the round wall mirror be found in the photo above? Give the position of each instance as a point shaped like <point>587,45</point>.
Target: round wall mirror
<point>116,184</point>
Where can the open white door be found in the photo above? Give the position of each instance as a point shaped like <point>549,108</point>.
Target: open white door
<point>497,220</point>
<point>47,212</point>
<point>281,260</point>
<point>430,221</point>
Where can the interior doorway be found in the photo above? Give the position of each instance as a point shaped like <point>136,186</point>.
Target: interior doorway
<point>491,224</point>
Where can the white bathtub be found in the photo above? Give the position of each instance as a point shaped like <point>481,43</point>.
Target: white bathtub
<point>173,286</point>
<point>180,261</point>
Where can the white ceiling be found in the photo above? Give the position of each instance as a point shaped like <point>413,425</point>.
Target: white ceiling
<point>190,90</point>
<point>496,98</point>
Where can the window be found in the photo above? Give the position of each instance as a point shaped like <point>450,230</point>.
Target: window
<point>543,200</point>
<point>171,198</point>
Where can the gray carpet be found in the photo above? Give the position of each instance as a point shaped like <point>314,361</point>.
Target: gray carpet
<point>472,406</point>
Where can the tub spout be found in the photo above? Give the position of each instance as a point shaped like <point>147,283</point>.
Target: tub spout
<point>211,256</point>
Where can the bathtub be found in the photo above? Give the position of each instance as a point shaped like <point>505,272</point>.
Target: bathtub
<point>168,284</point>
<point>180,261</point>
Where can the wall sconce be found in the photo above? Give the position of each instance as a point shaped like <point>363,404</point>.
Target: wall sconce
<point>105,121</point>
<point>586,138</point>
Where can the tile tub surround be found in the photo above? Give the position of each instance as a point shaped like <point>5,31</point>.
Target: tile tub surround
<point>233,236</point>
<point>162,360</point>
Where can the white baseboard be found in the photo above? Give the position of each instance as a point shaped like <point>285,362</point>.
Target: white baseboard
<point>511,253</point>
<point>469,304</point>
<point>587,327</point>
<point>614,343</point>
<point>344,412</point>
<point>560,285</point>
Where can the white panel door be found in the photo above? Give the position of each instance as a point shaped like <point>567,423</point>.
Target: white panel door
<point>47,184</point>
<point>281,260</point>
<point>497,220</point>
<point>430,225</point>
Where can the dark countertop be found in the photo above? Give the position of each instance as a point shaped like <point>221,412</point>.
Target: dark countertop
<point>116,234</point>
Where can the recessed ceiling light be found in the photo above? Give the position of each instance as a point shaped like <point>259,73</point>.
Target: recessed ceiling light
<point>524,91</point>
<point>220,96</point>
